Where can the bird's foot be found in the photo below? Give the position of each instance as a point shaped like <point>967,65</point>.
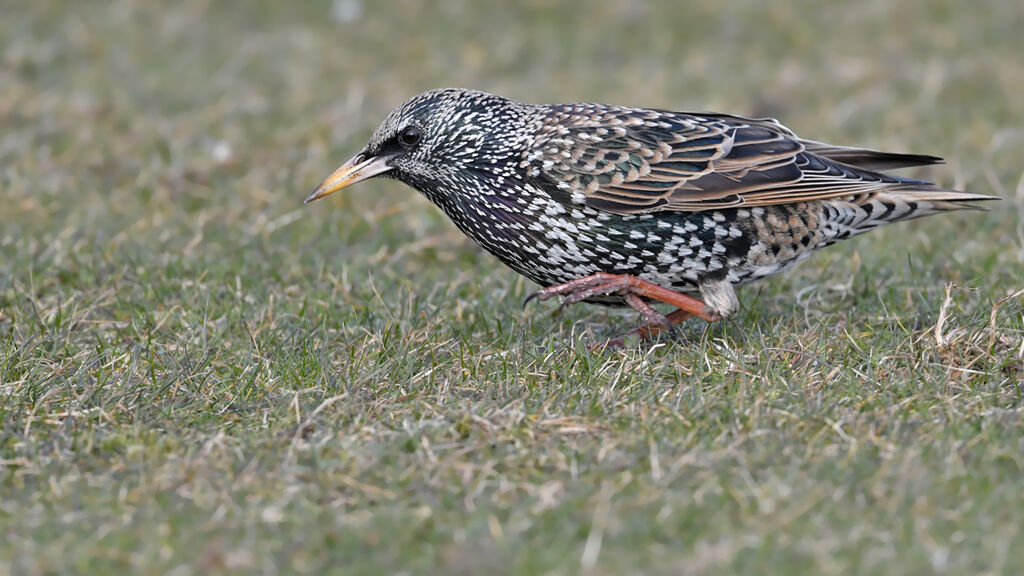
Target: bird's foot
<point>645,332</point>
<point>633,290</point>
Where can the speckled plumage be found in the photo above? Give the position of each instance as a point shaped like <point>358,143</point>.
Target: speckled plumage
<point>692,202</point>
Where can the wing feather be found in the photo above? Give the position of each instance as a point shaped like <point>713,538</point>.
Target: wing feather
<point>627,160</point>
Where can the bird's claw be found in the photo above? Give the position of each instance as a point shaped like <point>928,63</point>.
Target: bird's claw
<point>532,296</point>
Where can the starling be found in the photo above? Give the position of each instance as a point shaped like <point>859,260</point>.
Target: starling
<point>629,206</point>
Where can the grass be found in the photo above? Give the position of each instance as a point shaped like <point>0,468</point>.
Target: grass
<point>201,375</point>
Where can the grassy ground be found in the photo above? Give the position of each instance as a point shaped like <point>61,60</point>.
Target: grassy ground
<point>199,374</point>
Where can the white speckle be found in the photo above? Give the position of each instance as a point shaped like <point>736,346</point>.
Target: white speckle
<point>554,209</point>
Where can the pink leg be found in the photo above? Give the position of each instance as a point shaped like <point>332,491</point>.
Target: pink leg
<point>603,283</point>
<point>633,290</point>
<point>645,332</point>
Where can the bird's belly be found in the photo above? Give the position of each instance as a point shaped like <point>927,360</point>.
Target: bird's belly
<point>676,250</point>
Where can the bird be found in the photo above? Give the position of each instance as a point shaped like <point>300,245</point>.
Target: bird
<point>631,206</point>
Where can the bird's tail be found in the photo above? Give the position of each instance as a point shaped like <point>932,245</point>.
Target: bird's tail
<point>925,200</point>
<point>906,202</point>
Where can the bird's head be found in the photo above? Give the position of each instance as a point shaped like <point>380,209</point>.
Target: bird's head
<point>438,140</point>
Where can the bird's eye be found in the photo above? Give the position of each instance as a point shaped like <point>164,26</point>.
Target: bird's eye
<point>410,136</point>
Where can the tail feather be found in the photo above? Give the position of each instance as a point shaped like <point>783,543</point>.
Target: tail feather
<point>867,159</point>
<point>909,202</point>
<point>933,199</point>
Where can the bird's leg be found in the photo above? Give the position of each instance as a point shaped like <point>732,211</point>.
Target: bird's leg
<point>603,283</point>
<point>651,330</point>
<point>652,316</point>
<point>645,332</point>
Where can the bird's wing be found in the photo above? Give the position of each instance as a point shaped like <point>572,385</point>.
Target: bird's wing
<point>630,161</point>
<point>863,158</point>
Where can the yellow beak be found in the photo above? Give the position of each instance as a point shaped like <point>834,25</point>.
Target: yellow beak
<point>355,170</point>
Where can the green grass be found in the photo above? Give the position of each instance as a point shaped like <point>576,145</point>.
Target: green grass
<point>199,374</point>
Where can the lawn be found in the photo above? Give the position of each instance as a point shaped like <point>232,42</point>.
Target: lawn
<point>199,374</point>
